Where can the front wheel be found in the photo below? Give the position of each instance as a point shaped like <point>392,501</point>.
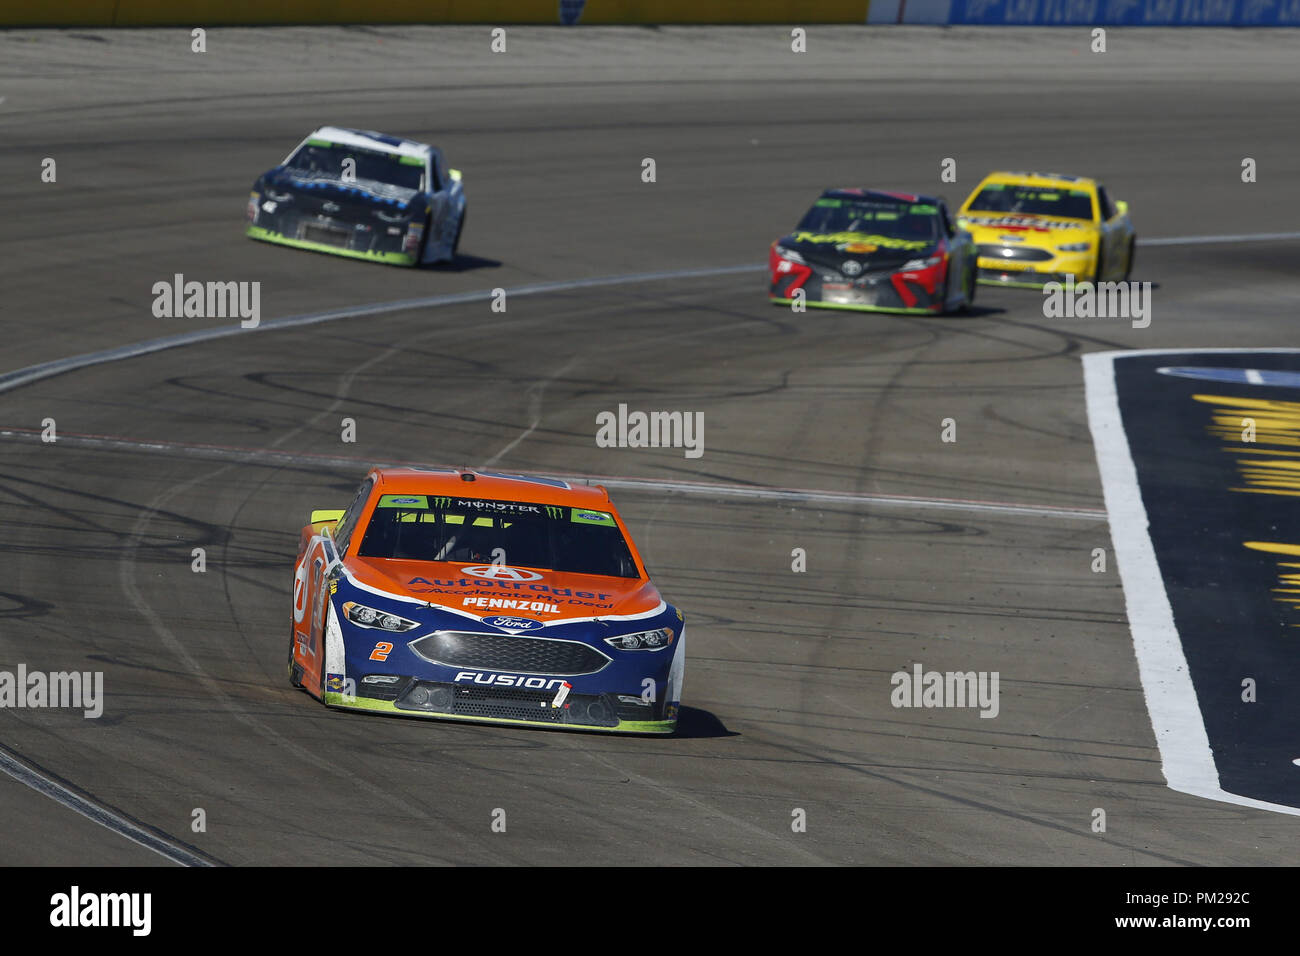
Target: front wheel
<point>970,288</point>
<point>295,671</point>
<point>1128,261</point>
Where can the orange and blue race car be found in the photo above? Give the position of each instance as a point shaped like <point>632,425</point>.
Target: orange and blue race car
<point>484,596</point>
<point>1035,228</point>
<point>875,251</point>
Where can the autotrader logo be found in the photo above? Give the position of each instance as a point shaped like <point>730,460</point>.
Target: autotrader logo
<point>501,572</point>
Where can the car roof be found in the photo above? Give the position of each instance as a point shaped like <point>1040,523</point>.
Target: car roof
<point>492,485</point>
<point>858,192</point>
<point>1049,180</point>
<point>369,139</point>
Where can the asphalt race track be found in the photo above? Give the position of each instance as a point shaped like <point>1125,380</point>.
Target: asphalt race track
<point>966,555</point>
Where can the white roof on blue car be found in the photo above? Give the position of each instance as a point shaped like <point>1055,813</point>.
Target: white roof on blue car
<point>369,139</point>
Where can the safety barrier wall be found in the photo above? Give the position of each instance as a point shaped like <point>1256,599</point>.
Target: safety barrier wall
<point>209,13</point>
<point>139,13</point>
<point>1164,13</point>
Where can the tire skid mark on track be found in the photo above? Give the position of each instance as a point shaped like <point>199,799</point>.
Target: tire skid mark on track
<point>126,568</point>
<point>165,846</point>
<point>274,458</point>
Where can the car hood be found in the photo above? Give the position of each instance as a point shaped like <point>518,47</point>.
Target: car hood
<point>331,187</point>
<point>871,252</point>
<point>485,591</point>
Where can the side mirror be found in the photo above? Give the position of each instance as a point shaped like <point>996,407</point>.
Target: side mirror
<point>317,517</point>
<point>1122,206</point>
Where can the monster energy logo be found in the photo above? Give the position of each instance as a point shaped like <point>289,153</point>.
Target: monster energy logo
<point>553,512</point>
<point>440,502</point>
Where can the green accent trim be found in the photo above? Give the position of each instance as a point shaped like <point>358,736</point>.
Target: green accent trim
<point>923,210</point>
<point>325,515</point>
<point>829,203</point>
<point>857,308</point>
<point>335,699</point>
<point>410,160</point>
<point>402,501</point>
<point>319,142</point>
<point>393,258</point>
<point>1014,285</point>
<point>454,174</point>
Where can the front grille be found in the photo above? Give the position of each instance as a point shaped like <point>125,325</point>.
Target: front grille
<point>508,703</point>
<point>518,655</point>
<point>1020,253</point>
<point>326,236</point>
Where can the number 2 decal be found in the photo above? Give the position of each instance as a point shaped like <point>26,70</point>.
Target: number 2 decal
<point>381,651</point>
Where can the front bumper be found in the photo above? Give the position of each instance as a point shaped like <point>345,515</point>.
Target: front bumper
<point>1034,275</point>
<point>917,292</point>
<point>511,705</point>
<point>374,255</point>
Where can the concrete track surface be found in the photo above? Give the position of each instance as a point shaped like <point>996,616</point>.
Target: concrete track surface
<point>226,444</point>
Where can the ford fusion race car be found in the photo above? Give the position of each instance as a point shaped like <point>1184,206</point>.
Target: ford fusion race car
<point>484,596</point>
<point>362,194</point>
<point>1031,229</point>
<point>876,251</point>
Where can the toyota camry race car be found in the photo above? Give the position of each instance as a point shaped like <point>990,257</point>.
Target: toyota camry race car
<point>488,597</point>
<point>1031,229</point>
<point>876,251</point>
<point>362,194</point>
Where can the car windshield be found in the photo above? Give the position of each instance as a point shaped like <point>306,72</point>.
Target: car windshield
<point>871,217</point>
<point>1034,201</point>
<point>318,159</point>
<point>481,531</point>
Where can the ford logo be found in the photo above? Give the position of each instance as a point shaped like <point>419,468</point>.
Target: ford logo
<point>513,623</point>
<point>331,207</point>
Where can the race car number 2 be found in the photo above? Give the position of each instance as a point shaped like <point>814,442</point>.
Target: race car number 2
<point>381,651</point>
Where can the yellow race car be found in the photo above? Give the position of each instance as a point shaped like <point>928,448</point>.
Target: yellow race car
<point>1032,228</point>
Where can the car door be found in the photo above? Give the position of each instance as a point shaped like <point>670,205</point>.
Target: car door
<point>320,566</point>
<point>441,222</point>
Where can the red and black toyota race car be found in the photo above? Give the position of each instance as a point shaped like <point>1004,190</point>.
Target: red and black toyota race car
<point>876,251</point>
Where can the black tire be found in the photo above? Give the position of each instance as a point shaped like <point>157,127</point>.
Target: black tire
<point>1128,263</point>
<point>424,241</point>
<point>971,285</point>
<point>460,227</point>
<point>1101,264</point>
<point>295,672</point>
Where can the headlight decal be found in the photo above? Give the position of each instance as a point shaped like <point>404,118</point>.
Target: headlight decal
<point>363,616</point>
<point>655,640</point>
